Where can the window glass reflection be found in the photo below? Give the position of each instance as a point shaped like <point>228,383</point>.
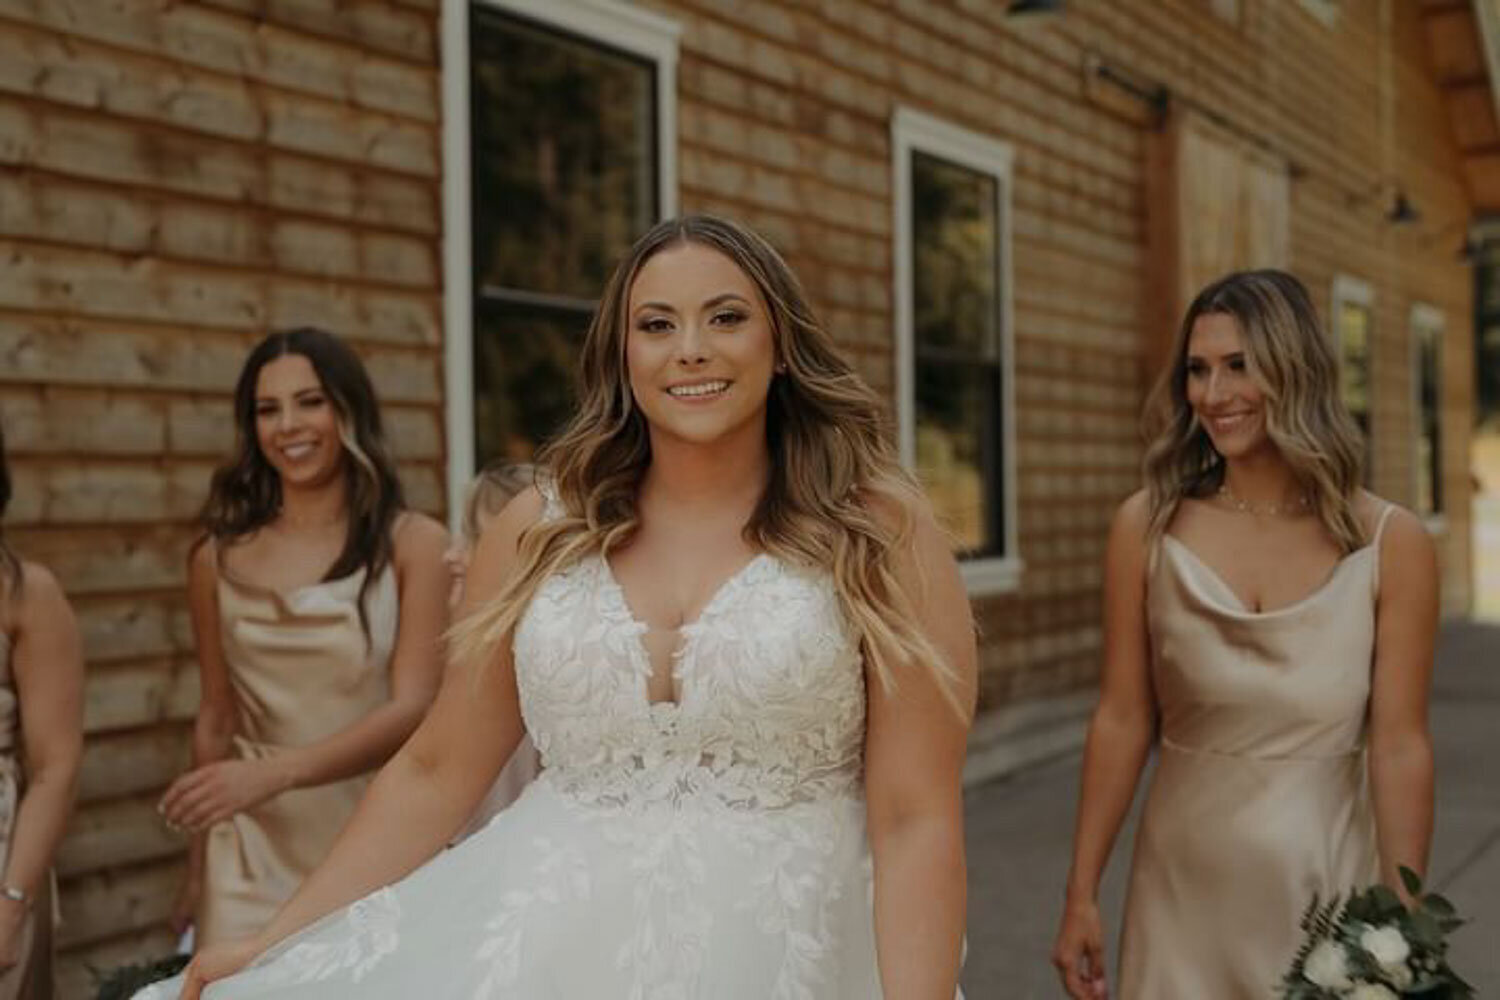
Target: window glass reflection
<point>956,248</point>
<point>1354,333</point>
<point>524,364</point>
<point>956,448</point>
<point>564,175</point>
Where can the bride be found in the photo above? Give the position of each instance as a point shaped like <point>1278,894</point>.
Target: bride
<point>745,655</point>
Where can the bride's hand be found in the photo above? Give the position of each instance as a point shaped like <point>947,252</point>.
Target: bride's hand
<point>1079,952</point>
<point>215,962</point>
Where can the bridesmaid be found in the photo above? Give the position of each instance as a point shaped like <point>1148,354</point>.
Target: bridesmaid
<point>318,603</point>
<point>1256,630</point>
<point>496,485</point>
<point>41,745</point>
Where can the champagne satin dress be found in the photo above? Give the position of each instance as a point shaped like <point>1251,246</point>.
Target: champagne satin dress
<point>1260,797</point>
<point>302,669</point>
<point>31,977</point>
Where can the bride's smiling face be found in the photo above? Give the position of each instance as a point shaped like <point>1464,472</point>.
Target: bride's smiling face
<point>699,350</point>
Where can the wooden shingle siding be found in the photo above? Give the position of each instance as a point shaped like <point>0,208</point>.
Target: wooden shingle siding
<point>175,180</point>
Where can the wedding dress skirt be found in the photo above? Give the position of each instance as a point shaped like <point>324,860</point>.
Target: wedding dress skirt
<point>713,848</point>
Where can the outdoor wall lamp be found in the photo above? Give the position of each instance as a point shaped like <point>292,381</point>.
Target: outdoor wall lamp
<point>1156,97</point>
<point>1400,210</point>
<point>1034,8</point>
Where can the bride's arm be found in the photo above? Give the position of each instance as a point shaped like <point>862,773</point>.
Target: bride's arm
<point>421,798</point>
<point>914,757</point>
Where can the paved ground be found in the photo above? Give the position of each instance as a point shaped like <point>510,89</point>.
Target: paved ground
<point>1020,828</point>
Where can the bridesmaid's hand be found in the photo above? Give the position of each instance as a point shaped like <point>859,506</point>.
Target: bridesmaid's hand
<point>216,962</point>
<point>1079,952</point>
<point>214,792</point>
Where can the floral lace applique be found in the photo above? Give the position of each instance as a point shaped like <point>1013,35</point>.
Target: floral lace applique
<point>561,875</point>
<point>763,750</point>
<point>773,700</point>
<point>372,934</point>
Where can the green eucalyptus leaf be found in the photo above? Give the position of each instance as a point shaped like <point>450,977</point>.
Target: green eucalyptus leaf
<point>1385,900</point>
<point>1425,930</point>
<point>1438,904</point>
<point>1411,880</point>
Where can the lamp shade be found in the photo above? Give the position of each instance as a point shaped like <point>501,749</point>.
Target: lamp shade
<point>1033,8</point>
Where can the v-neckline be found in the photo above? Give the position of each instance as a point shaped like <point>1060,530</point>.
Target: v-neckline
<point>1243,607</point>
<point>684,631</point>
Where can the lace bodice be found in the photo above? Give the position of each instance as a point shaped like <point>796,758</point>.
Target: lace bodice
<point>772,706</point>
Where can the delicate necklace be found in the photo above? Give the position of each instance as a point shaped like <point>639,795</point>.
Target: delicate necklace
<point>1297,506</point>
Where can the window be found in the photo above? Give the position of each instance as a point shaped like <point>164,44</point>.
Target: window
<point>564,155</point>
<point>954,338</point>
<point>1487,335</point>
<point>1353,321</point>
<point>1427,369</point>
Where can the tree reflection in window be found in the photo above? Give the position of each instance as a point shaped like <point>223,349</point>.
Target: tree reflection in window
<point>564,179</point>
<point>956,272</point>
<point>1429,457</point>
<point>1354,331</point>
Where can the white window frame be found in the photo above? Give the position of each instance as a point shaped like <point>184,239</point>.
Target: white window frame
<point>608,23</point>
<point>911,132</point>
<point>1427,320</point>
<point>1347,288</point>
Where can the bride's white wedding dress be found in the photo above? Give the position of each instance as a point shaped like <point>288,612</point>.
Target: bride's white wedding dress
<point>708,849</point>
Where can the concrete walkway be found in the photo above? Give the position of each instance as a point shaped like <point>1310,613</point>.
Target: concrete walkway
<point>1020,831</point>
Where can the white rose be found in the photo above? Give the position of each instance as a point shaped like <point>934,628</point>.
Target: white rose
<point>1327,967</point>
<point>1386,946</point>
<point>1371,991</point>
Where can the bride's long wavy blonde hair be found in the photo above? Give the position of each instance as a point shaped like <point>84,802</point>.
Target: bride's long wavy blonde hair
<point>1293,362</point>
<point>837,497</point>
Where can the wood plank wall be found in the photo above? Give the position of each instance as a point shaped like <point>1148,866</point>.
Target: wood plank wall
<point>176,178</point>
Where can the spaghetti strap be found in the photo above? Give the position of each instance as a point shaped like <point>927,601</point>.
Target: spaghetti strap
<point>1155,541</point>
<point>1385,515</point>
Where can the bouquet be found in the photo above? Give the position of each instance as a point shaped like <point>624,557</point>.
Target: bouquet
<point>1372,947</point>
<point>122,983</point>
